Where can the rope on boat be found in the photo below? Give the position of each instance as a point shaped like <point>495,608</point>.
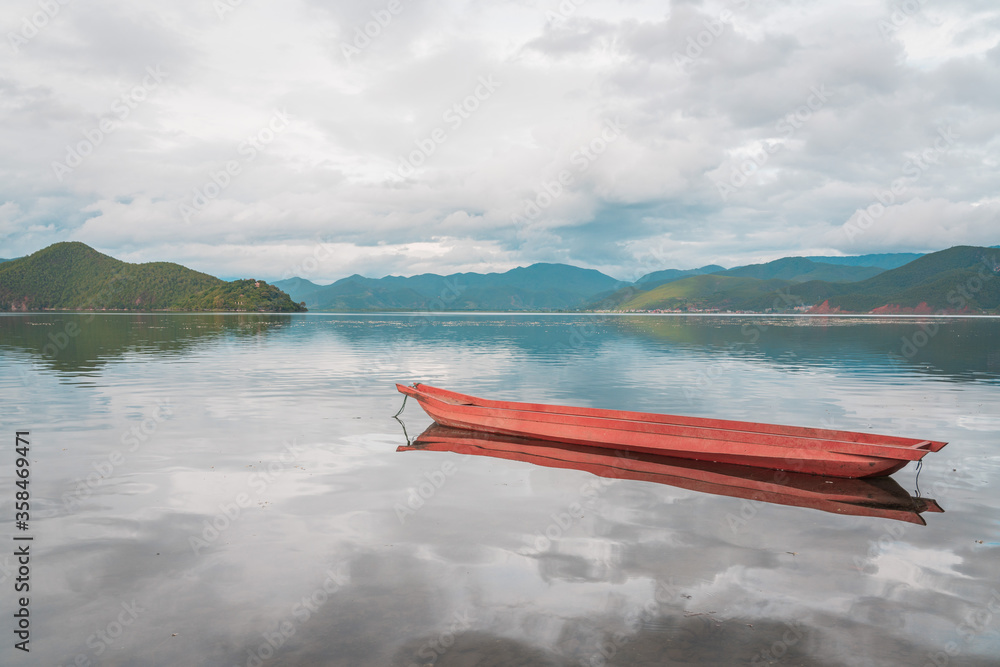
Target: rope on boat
<point>400,411</point>
<point>405,434</point>
<point>916,481</point>
<point>405,396</point>
<point>401,407</point>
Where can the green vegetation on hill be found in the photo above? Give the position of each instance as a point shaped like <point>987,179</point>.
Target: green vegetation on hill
<point>74,276</point>
<point>960,279</point>
<point>729,295</point>
<point>926,268</point>
<point>645,283</point>
<point>708,292</point>
<point>615,300</point>
<point>241,295</point>
<point>956,279</point>
<point>800,270</point>
<point>657,278</point>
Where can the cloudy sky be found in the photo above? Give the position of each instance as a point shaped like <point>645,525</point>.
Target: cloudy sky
<point>322,138</point>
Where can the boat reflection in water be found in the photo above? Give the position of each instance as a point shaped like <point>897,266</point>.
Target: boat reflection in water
<point>878,497</point>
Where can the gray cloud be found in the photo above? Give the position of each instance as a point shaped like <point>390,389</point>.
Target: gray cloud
<point>750,130</point>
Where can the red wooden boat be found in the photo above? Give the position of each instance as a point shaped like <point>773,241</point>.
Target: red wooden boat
<point>880,497</point>
<point>794,448</point>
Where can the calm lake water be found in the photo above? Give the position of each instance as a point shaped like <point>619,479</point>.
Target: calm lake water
<point>226,490</point>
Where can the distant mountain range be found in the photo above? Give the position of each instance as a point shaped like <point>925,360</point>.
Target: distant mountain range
<point>896,282</point>
<point>535,287</point>
<point>74,276</point>
<point>957,280</point>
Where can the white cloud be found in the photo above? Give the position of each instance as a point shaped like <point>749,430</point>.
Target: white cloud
<point>936,223</point>
<point>334,172</point>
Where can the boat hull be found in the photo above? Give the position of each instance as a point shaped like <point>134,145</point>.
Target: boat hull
<point>789,448</point>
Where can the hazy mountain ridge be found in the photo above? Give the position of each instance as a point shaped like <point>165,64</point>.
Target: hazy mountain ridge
<point>74,276</point>
<point>536,287</point>
<point>891,260</point>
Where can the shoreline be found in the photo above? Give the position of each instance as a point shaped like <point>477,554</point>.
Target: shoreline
<point>445,313</point>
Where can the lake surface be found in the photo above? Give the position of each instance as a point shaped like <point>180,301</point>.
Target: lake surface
<point>226,490</point>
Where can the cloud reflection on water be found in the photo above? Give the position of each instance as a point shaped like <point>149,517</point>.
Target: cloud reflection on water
<point>326,382</point>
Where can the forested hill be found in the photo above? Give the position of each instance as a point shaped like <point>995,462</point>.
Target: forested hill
<point>74,276</point>
<point>740,288</point>
<point>963,279</point>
